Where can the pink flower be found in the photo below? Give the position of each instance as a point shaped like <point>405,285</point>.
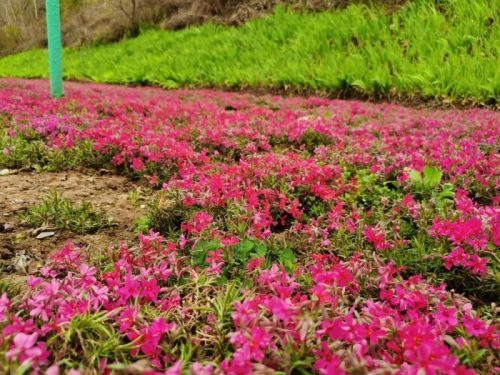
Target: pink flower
<point>229,241</point>
<point>280,309</point>
<point>255,263</point>
<point>215,268</point>
<point>25,348</point>
<point>446,316</point>
<point>198,369</point>
<point>52,370</point>
<point>456,258</point>
<point>377,238</point>
<point>200,221</point>
<point>476,264</point>
<point>137,164</point>
<point>214,256</point>
<point>160,327</point>
<point>87,274</point>
<point>149,290</point>
<point>127,318</point>
<point>130,288</point>
<point>474,326</point>
<point>430,358</point>
<point>413,207</point>
<point>4,306</point>
<point>327,362</point>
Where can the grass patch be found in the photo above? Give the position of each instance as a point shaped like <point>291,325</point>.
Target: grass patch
<point>92,335</point>
<point>165,214</point>
<point>61,213</point>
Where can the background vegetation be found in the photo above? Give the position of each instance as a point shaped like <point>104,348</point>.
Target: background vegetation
<point>425,49</point>
<point>22,22</point>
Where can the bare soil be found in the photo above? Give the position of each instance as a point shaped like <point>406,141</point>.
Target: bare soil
<point>21,253</point>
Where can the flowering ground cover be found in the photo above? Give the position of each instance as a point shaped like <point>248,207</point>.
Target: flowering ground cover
<point>287,235</point>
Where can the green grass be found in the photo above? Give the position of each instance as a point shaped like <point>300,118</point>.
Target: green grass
<point>61,213</point>
<point>428,49</point>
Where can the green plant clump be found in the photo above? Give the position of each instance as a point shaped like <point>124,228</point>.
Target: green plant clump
<point>61,213</point>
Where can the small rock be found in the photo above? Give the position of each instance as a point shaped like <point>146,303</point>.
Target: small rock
<point>5,172</point>
<point>5,227</point>
<point>21,261</point>
<point>43,235</point>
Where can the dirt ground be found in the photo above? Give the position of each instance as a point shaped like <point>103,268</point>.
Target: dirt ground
<point>21,253</point>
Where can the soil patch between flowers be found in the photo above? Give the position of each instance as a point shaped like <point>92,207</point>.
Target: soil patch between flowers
<point>22,253</point>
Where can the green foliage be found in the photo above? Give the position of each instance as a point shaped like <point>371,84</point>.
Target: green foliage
<point>287,259</point>
<point>312,139</point>
<point>200,251</point>
<point>88,338</point>
<point>445,197</point>
<point>429,179</point>
<point>427,49</point>
<point>247,249</point>
<point>58,212</point>
<point>371,190</point>
<point>238,256</point>
<point>165,214</point>
<point>30,151</point>
<point>427,185</point>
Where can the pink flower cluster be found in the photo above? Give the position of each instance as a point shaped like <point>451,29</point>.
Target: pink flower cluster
<point>68,287</point>
<point>469,234</point>
<point>406,326</point>
<point>402,331</point>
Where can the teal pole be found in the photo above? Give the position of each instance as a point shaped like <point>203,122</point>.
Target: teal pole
<point>55,48</point>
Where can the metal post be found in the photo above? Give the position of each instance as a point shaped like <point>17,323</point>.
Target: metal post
<point>55,49</point>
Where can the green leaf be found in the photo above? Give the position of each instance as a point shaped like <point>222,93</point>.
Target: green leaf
<point>415,178</point>
<point>447,192</point>
<point>287,258</point>
<point>260,250</point>
<point>244,246</point>
<point>432,177</point>
<point>242,250</point>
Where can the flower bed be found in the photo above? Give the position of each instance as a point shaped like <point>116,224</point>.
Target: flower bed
<point>295,234</point>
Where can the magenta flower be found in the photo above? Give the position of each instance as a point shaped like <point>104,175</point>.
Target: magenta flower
<point>377,238</point>
<point>446,316</point>
<point>474,326</point>
<point>149,290</point>
<point>130,288</point>
<point>199,369</point>
<point>26,348</point>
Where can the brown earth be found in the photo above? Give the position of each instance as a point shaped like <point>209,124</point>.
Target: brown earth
<point>21,253</point>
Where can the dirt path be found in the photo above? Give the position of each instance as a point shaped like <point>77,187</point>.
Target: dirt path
<point>21,252</point>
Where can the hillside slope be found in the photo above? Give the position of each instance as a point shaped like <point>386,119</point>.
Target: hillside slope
<point>447,51</point>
